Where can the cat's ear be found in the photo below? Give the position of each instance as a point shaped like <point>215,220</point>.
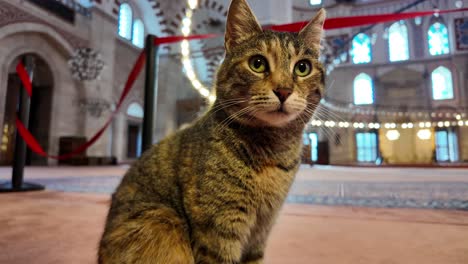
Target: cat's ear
<point>241,24</point>
<point>312,33</point>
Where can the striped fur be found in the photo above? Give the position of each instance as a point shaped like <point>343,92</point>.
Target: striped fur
<point>210,193</point>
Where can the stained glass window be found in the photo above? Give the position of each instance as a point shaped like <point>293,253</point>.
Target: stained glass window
<point>398,45</point>
<point>446,146</point>
<point>85,3</point>
<point>442,85</point>
<point>361,49</point>
<point>363,89</point>
<point>315,2</point>
<point>125,21</point>
<point>138,38</point>
<point>437,37</point>
<point>366,146</point>
<point>313,146</point>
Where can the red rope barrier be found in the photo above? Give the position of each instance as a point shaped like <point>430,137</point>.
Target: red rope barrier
<point>174,39</point>
<point>354,21</point>
<point>24,76</point>
<point>331,23</point>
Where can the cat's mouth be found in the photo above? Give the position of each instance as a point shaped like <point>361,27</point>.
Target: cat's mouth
<point>276,113</point>
<point>278,117</point>
<point>280,111</point>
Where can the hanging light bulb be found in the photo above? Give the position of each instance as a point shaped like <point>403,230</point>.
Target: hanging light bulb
<point>424,134</point>
<point>392,135</point>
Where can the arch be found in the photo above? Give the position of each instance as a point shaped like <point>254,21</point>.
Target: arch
<point>133,128</point>
<point>138,38</point>
<point>398,43</point>
<point>27,27</point>
<point>442,84</point>
<point>363,89</point>
<point>438,39</point>
<point>40,103</point>
<point>125,21</point>
<point>361,51</point>
<point>55,55</point>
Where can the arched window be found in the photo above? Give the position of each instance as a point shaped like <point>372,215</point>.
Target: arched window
<point>125,21</point>
<point>442,85</point>
<point>361,49</point>
<point>437,37</point>
<point>315,2</point>
<point>363,89</point>
<point>398,41</point>
<point>138,38</point>
<point>135,110</point>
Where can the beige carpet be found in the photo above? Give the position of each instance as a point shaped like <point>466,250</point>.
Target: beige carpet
<point>64,228</point>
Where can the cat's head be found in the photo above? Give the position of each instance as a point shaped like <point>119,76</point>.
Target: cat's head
<point>269,78</point>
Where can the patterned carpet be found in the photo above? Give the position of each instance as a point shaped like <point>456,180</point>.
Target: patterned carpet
<point>437,195</point>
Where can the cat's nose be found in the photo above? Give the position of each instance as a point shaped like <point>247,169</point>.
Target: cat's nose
<point>282,94</point>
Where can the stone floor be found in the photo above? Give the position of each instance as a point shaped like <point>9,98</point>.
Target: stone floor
<point>63,224</point>
<point>322,185</point>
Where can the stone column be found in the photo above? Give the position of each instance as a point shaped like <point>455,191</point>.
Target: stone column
<point>102,39</point>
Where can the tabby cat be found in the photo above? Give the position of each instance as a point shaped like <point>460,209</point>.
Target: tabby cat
<point>211,192</point>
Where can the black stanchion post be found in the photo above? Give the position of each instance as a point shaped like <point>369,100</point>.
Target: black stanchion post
<point>150,91</point>
<point>17,180</point>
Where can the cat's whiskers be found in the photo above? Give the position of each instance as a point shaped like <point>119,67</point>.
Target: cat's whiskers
<point>326,130</point>
<point>231,118</point>
<point>221,106</point>
<point>225,104</point>
<point>304,122</point>
<point>322,110</point>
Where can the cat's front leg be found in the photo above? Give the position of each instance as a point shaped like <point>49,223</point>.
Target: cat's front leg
<point>255,250</point>
<point>222,240</point>
<point>254,257</point>
<point>254,253</point>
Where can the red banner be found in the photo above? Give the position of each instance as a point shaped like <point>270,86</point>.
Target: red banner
<point>331,23</point>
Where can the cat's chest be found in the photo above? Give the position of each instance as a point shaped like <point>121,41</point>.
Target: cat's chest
<point>272,184</point>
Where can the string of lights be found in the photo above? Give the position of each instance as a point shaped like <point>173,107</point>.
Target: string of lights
<point>378,125</point>
<point>186,58</point>
<point>389,111</point>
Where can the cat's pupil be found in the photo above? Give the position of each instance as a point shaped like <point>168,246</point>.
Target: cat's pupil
<point>302,67</point>
<point>258,63</point>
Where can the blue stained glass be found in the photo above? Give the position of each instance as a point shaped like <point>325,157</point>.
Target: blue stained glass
<point>138,38</point>
<point>442,84</point>
<point>361,49</point>
<point>125,21</point>
<point>438,39</point>
<point>366,146</point>
<point>363,89</point>
<point>442,146</point>
<point>315,2</point>
<point>398,45</point>
<point>446,145</point>
<point>313,146</point>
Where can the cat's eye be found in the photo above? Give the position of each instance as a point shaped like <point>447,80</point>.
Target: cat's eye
<point>258,64</point>
<point>302,68</point>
